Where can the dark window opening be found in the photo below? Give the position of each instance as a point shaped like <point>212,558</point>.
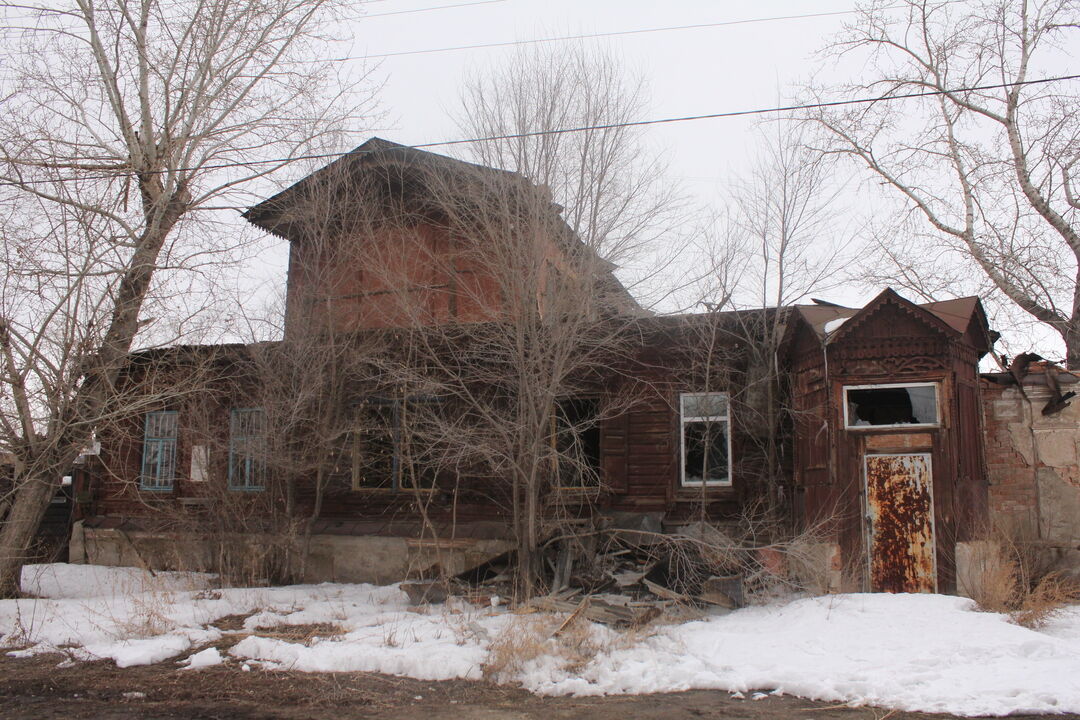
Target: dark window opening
<point>705,437</point>
<point>387,449</point>
<point>577,443</point>
<point>890,405</point>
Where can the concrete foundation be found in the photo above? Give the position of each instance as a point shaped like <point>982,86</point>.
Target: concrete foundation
<point>331,558</point>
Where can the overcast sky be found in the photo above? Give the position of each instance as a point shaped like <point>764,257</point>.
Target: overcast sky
<point>740,56</point>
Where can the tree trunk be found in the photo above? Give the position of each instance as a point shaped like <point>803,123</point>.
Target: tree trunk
<point>20,527</point>
<point>1072,348</point>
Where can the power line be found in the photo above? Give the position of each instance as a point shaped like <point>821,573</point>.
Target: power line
<point>588,36</point>
<point>363,17</point>
<point>430,9</point>
<point>613,33</point>
<point>588,128</point>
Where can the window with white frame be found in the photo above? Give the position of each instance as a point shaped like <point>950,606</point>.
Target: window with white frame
<point>705,439</point>
<point>247,449</point>
<point>891,405</point>
<point>159,451</point>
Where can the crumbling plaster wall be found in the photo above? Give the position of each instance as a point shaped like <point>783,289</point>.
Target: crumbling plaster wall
<point>1033,466</point>
<point>332,558</point>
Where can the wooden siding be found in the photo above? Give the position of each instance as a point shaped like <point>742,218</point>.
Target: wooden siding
<point>892,343</point>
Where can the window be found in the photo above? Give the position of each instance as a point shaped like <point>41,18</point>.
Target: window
<point>200,463</point>
<point>159,451</point>
<point>899,405</point>
<point>705,439</point>
<point>247,449</point>
<point>387,450</point>
<point>576,439</point>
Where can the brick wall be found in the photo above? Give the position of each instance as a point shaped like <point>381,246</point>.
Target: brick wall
<point>1033,463</point>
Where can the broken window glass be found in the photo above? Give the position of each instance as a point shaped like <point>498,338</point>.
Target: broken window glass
<point>705,437</point>
<point>891,405</point>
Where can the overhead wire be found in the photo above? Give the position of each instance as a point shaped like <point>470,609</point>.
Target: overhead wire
<point>614,33</point>
<point>431,9</point>
<point>120,172</point>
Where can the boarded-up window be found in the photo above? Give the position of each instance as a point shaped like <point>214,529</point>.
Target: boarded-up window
<point>200,463</point>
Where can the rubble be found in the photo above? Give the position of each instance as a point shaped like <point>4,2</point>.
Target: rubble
<point>630,576</point>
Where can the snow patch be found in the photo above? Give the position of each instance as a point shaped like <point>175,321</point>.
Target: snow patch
<point>928,653</point>
<point>834,325</point>
<point>204,658</point>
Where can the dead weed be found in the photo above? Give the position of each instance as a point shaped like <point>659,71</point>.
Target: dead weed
<point>1009,578</point>
<point>306,634</point>
<point>572,641</point>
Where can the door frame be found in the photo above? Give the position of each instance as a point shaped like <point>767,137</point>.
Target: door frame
<point>868,532</point>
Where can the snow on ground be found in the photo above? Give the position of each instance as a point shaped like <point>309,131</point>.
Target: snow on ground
<point>914,652</point>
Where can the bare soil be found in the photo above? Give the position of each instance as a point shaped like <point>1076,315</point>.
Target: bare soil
<point>37,688</point>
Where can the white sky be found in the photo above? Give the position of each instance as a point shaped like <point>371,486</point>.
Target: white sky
<point>753,63</point>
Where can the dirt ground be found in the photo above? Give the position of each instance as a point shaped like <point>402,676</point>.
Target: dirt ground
<point>37,688</point>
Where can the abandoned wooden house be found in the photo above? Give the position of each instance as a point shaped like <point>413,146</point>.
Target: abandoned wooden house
<point>377,431</point>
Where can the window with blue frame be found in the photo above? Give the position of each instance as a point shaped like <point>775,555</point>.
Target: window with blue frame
<point>159,451</point>
<point>247,449</point>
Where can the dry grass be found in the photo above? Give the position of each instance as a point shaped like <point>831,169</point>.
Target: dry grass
<point>1049,595</point>
<point>1009,577</point>
<point>306,634</point>
<point>231,623</point>
<point>574,644</point>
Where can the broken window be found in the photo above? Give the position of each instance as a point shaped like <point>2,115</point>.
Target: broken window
<point>705,438</point>
<point>159,451</point>
<point>576,438</point>
<point>247,449</point>
<point>891,405</point>
<point>385,450</point>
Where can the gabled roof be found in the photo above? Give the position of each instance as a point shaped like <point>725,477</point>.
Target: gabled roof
<point>951,317</point>
<point>284,214</point>
<point>888,296</point>
<point>348,168</point>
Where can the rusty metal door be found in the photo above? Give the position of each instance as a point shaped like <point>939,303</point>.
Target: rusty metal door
<point>900,516</point>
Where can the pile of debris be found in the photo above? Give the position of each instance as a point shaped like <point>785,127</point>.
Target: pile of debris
<point>627,577</point>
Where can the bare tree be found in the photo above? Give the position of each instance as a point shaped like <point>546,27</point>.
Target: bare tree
<point>986,159</point>
<point>779,242</point>
<point>555,116</point>
<point>120,122</point>
<point>584,196</point>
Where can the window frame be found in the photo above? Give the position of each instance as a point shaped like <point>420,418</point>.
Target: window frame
<point>160,483</point>
<point>886,386</point>
<point>255,467</point>
<point>591,480</point>
<point>397,436</point>
<point>684,420</point>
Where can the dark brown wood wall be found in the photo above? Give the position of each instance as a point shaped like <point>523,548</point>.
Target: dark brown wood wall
<point>892,346</point>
